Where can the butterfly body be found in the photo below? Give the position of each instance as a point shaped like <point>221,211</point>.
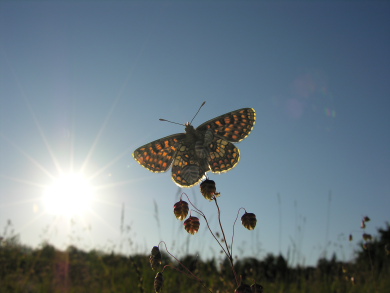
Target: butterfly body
<point>209,147</point>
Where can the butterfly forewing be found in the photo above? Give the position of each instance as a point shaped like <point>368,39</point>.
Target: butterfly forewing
<point>157,156</point>
<point>233,126</point>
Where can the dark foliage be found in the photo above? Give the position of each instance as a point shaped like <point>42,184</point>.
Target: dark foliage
<point>49,270</point>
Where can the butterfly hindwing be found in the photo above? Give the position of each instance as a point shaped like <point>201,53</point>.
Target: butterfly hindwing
<point>233,126</point>
<point>223,155</point>
<point>157,156</point>
<point>187,169</point>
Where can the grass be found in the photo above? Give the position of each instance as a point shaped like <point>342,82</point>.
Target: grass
<point>47,269</point>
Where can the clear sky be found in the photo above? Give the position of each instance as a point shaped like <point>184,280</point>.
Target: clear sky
<point>83,84</point>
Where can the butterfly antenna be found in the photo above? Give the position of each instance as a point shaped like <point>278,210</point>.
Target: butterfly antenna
<point>198,111</point>
<point>165,120</point>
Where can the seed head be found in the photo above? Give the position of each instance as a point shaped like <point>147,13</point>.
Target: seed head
<point>192,225</point>
<point>366,219</point>
<point>249,221</point>
<point>158,282</point>
<point>155,258</point>
<point>180,210</point>
<point>208,189</point>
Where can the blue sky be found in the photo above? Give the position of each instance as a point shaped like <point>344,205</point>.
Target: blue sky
<point>83,84</point>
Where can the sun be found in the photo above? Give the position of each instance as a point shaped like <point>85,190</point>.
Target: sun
<point>68,195</point>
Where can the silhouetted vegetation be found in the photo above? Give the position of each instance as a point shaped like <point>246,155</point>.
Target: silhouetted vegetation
<point>47,269</point>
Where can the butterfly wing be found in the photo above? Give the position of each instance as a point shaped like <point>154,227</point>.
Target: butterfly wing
<point>220,132</point>
<point>157,156</point>
<point>187,169</point>
<point>233,126</point>
<point>223,155</point>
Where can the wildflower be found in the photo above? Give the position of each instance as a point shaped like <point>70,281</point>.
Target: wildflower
<point>249,221</point>
<point>344,269</point>
<point>256,288</point>
<point>353,281</point>
<point>192,225</point>
<point>158,282</point>
<point>243,288</point>
<point>155,258</point>
<point>208,189</point>
<point>181,210</point>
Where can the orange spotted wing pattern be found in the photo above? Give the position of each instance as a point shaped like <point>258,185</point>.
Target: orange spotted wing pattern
<point>209,147</point>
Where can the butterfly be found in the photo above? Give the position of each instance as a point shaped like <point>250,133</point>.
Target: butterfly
<point>209,147</point>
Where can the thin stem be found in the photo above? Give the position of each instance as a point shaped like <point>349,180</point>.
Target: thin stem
<point>190,273</point>
<point>208,226</point>
<point>230,256</point>
<point>223,232</point>
<point>234,224</point>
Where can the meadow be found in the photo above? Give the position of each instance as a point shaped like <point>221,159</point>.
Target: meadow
<point>47,269</point>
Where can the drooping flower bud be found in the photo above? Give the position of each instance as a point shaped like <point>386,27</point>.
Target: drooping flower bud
<point>155,258</point>
<point>208,189</point>
<point>158,282</point>
<point>249,221</point>
<point>192,225</point>
<point>180,210</point>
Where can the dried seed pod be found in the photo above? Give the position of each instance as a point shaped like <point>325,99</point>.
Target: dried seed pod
<point>192,225</point>
<point>249,221</point>
<point>256,288</point>
<point>180,210</point>
<point>208,189</point>
<point>243,288</point>
<point>350,237</point>
<point>155,258</point>
<point>158,282</point>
